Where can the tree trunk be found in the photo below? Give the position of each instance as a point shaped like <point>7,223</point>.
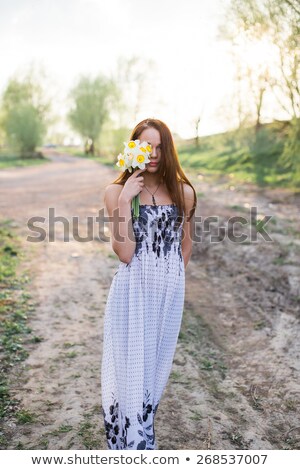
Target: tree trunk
<point>258,109</point>
<point>92,148</point>
<point>89,147</point>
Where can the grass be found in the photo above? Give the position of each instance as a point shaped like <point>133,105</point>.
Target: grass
<point>68,345</point>
<point>63,428</point>
<point>255,400</point>
<point>25,416</point>
<point>259,325</point>
<point>206,364</point>
<point>291,405</point>
<point>237,440</point>
<point>241,156</point>
<point>15,306</point>
<point>71,354</point>
<point>175,376</point>
<point>196,415</point>
<point>9,160</point>
<point>89,433</point>
<point>238,208</point>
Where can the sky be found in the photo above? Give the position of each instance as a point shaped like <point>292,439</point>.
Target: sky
<point>193,72</point>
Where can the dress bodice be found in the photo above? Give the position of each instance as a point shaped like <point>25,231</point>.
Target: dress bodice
<point>158,229</point>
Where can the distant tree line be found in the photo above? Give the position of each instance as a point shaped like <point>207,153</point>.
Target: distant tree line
<point>95,103</point>
<point>25,112</point>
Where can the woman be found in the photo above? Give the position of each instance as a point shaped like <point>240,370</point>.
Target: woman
<point>145,302</point>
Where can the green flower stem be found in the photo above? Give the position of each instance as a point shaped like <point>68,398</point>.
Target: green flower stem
<point>136,206</point>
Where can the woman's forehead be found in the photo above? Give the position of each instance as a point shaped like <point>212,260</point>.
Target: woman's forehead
<point>152,136</point>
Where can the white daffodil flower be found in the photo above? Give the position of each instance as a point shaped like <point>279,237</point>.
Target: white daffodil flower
<point>131,146</point>
<point>136,155</point>
<point>122,162</point>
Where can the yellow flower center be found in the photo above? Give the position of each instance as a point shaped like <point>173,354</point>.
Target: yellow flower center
<point>140,158</point>
<point>148,148</point>
<point>143,149</point>
<point>131,144</point>
<point>122,162</point>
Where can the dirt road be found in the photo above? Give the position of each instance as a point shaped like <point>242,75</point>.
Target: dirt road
<point>235,378</point>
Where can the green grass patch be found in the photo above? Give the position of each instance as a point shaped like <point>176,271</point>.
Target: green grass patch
<point>206,364</point>
<point>196,415</point>
<point>71,354</point>
<point>15,305</point>
<point>25,416</point>
<point>242,156</point>
<point>68,345</point>
<point>8,160</point>
<point>63,428</point>
<point>89,434</point>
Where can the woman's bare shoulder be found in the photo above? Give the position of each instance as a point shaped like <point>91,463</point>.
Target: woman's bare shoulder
<point>113,188</point>
<point>112,192</point>
<point>188,191</point>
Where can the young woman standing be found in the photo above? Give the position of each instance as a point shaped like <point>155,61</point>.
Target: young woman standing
<point>145,303</point>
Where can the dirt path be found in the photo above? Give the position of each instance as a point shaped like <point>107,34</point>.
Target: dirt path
<point>235,378</point>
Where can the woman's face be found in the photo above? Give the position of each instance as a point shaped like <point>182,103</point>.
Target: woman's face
<point>152,136</point>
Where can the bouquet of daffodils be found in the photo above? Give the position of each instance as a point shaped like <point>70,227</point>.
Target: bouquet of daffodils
<point>136,155</point>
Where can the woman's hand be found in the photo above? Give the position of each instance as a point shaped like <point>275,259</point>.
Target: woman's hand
<point>133,186</point>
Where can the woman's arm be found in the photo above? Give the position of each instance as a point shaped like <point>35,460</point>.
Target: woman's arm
<point>118,199</point>
<point>188,225</point>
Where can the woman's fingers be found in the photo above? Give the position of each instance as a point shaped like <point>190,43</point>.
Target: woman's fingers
<point>140,172</point>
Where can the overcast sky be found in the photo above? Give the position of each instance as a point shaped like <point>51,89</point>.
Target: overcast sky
<point>71,37</point>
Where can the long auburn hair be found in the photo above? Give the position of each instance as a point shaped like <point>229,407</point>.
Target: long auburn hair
<point>170,169</point>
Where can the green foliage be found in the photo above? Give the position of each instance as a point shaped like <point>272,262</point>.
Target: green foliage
<point>24,129</point>
<point>8,159</point>
<point>63,428</point>
<point>118,137</point>
<point>13,319</point>
<point>24,114</point>
<point>264,145</point>
<point>246,155</point>
<point>290,158</point>
<point>112,143</point>
<point>25,416</point>
<point>92,101</point>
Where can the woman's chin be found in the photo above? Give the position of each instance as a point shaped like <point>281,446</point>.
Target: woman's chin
<point>151,168</point>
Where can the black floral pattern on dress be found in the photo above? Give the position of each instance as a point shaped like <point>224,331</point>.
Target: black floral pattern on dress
<point>112,427</point>
<point>116,433</point>
<point>149,412</point>
<point>163,230</point>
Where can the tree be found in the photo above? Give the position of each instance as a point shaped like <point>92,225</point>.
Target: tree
<point>275,23</point>
<point>196,122</point>
<point>25,113</point>
<point>92,100</point>
<point>25,129</point>
<point>134,77</point>
<point>290,158</point>
<point>258,82</point>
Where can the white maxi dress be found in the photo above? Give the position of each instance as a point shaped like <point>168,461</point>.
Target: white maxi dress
<point>142,321</point>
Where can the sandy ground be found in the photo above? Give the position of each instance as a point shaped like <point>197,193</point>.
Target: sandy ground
<point>235,377</point>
